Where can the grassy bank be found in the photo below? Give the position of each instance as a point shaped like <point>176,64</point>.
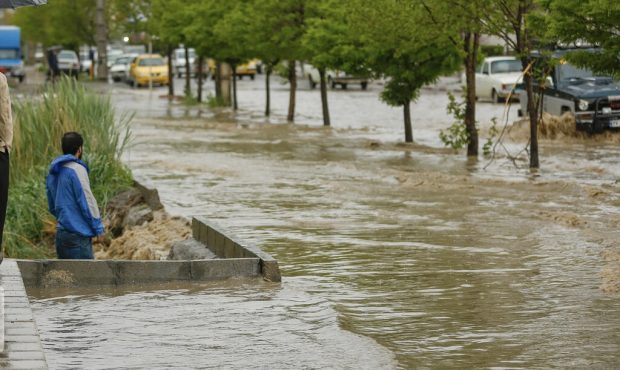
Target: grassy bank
<point>39,124</point>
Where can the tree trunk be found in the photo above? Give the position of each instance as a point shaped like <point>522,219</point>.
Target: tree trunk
<point>188,86</point>
<point>200,78</point>
<point>101,34</point>
<point>218,80</point>
<point>268,69</point>
<point>292,79</point>
<point>170,73</point>
<point>324,103</point>
<point>471,43</point>
<point>532,109</point>
<point>234,78</point>
<point>407,114</point>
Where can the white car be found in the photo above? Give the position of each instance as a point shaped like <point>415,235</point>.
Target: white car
<point>112,55</point>
<point>497,77</point>
<point>120,69</point>
<point>334,78</point>
<point>178,61</point>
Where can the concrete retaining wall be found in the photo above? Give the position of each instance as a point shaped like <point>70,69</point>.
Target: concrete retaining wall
<point>70,273</point>
<point>227,247</point>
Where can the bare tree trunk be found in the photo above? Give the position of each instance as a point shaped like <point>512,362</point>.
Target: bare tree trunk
<point>471,43</point>
<point>234,78</point>
<point>268,70</point>
<point>170,73</point>
<point>188,86</point>
<point>523,49</point>
<point>200,78</point>
<point>324,102</point>
<point>292,79</point>
<point>101,34</point>
<point>407,115</point>
<point>532,109</point>
<point>218,80</point>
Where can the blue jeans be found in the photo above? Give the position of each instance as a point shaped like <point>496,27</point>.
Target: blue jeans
<point>73,246</point>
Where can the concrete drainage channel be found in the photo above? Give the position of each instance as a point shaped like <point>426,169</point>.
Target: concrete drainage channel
<point>22,349</point>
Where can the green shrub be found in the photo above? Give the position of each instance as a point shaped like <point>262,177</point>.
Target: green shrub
<point>39,125</point>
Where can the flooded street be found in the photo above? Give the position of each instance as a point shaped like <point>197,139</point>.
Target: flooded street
<point>392,255</point>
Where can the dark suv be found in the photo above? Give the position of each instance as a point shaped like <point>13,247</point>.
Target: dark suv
<point>592,98</point>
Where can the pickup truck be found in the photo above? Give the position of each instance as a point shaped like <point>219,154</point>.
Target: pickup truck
<point>334,78</point>
<point>593,99</point>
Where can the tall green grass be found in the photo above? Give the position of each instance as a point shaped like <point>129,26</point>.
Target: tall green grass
<point>39,124</point>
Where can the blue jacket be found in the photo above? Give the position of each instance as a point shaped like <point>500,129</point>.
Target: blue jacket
<point>70,199</point>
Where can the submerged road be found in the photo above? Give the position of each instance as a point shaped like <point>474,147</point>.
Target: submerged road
<point>392,255</point>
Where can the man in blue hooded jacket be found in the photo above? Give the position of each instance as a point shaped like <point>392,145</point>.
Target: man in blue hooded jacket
<point>71,201</point>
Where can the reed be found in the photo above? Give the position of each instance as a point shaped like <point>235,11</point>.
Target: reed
<point>39,125</point>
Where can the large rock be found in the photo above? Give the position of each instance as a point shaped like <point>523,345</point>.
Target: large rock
<point>189,249</point>
<point>138,215</point>
<point>118,207</point>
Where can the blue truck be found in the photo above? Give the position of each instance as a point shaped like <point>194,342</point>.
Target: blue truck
<point>11,63</point>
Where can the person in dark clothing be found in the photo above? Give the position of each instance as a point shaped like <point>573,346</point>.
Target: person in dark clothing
<point>52,62</point>
<point>71,201</point>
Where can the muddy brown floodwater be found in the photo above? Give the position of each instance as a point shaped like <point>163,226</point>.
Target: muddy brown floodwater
<point>393,256</point>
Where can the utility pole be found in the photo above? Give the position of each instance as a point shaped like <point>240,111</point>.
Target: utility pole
<point>101,35</point>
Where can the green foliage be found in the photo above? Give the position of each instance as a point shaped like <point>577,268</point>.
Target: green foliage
<point>329,39</point>
<point>455,136</point>
<point>62,22</point>
<point>39,126</point>
<point>493,132</point>
<point>402,43</point>
<point>593,22</point>
<point>215,102</point>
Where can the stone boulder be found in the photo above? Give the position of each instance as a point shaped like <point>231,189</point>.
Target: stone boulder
<point>189,249</point>
<point>118,207</point>
<point>138,215</point>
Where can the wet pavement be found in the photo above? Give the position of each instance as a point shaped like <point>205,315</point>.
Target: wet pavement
<point>393,255</point>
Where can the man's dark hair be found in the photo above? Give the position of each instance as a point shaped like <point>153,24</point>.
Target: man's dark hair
<point>71,142</point>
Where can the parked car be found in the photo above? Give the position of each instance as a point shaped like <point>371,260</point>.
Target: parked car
<point>68,63</point>
<point>178,61</point>
<point>112,55</point>
<point>85,61</point>
<point>496,78</point>
<point>333,78</point>
<point>120,69</point>
<point>246,69</point>
<point>148,68</point>
<point>593,99</point>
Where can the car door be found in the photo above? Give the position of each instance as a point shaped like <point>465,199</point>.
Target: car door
<point>483,88</point>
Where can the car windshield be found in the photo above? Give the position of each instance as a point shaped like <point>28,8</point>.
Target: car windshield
<point>506,66</point>
<point>8,54</point>
<point>123,60</point>
<point>567,71</point>
<point>68,55</point>
<point>151,62</point>
<point>181,54</point>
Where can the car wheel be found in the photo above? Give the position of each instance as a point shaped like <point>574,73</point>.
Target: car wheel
<point>344,86</point>
<point>331,82</point>
<point>494,97</point>
<point>251,77</point>
<point>364,85</point>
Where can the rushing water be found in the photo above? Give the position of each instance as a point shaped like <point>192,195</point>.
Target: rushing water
<point>392,255</point>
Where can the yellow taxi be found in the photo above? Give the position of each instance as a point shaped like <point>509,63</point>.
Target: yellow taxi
<point>147,68</point>
<point>247,69</point>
